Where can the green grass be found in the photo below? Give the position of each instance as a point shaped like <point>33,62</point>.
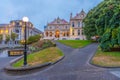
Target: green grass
<point>75,43</point>
<point>51,54</point>
<point>106,59</point>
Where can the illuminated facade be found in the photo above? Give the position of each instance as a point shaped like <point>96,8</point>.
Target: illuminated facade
<point>17,26</point>
<point>61,29</point>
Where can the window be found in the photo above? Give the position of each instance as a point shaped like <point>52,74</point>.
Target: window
<point>50,27</point>
<point>47,34</point>
<point>63,33</point>
<point>17,31</point>
<point>17,23</point>
<point>50,34</point>
<point>67,33</point>
<point>73,32</point>
<point>78,32</point>
<point>82,32</point>
<point>78,24</point>
<point>73,24</point>
<point>66,27</point>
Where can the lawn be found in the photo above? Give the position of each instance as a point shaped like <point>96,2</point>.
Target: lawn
<point>51,54</point>
<point>75,43</point>
<point>106,59</point>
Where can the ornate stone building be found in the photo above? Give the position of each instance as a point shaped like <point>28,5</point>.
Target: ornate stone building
<point>61,29</point>
<point>18,27</point>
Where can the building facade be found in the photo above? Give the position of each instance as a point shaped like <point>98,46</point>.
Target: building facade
<point>18,27</point>
<point>61,29</point>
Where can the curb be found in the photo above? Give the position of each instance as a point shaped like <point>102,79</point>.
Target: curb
<point>11,69</point>
<point>90,62</point>
<point>103,66</point>
<point>58,60</point>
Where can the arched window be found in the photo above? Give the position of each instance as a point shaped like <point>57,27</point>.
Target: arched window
<point>50,34</point>
<point>66,27</point>
<point>47,34</point>
<point>63,33</point>
<point>82,32</point>
<point>78,32</point>
<point>17,31</point>
<point>78,24</point>
<point>73,24</point>
<point>73,32</point>
<point>67,33</point>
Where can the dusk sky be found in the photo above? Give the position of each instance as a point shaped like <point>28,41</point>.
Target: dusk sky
<point>42,11</point>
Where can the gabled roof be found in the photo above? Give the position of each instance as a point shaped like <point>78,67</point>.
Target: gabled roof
<point>59,21</point>
<point>80,15</point>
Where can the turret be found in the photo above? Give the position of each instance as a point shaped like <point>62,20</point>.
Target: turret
<point>70,15</point>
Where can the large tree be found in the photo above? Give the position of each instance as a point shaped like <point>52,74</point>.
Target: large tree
<point>104,21</point>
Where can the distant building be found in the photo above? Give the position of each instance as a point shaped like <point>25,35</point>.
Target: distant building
<point>18,27</point>
<point>61,29</point>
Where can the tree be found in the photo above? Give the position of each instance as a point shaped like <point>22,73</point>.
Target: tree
<point>104,21</point>
<point>101,17</point>
<point>1,37</point>
<point>13,36</point>
<point>7,38</point>
<point>31,39</point>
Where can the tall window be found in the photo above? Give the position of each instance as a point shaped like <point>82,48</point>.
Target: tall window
<point>73,32</point>
<point>50,27</point>
<point>82,32</point>
<point>47,34</point>
<point>78,24</point>
<point>67,33</point>
<point>73,24</point>
<point>17,23</point>
<point>66,27</point>
<point>78,32</point>
<point>50,34</point>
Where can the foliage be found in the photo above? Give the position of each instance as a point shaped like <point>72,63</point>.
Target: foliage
<point>104,21</point>
<point>7,38</point>
<point>31,39</point>
<point>41,44</point>
<point>13,36</point>
<point>1,37</point>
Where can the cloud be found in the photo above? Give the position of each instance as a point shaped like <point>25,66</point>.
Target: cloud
<point>42,11</point>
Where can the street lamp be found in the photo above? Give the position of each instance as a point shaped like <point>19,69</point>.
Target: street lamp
<point>25,20</point>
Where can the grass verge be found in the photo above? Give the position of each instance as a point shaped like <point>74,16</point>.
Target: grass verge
<point>75,43</point>
<point>106,59</point>
<point>51,54</point>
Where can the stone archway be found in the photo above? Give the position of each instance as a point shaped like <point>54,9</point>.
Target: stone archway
<point>57,33</point>
<point>46,34</point>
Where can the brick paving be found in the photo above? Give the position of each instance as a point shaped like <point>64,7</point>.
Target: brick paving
<point>75,66</point>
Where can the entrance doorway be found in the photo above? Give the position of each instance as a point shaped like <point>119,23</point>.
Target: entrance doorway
<point>57,33</point>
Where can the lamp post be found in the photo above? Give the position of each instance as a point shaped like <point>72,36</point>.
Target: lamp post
<point>25,20</point>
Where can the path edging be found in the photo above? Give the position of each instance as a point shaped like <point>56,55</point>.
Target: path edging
<point>9,67</point>
<point>90,62</point>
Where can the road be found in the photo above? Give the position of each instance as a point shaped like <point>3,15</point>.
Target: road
<point>75,66</point>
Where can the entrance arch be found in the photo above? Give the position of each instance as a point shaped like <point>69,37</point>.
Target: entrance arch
<point>57,33</point>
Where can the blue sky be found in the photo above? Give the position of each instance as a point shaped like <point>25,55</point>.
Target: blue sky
<point>42,11</point>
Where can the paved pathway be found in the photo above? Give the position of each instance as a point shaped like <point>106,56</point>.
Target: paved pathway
<point>75,66</point>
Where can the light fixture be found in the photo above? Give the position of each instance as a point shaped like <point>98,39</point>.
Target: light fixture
<point>25,19</point>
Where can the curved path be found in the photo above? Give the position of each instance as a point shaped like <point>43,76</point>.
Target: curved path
<point>75,66</point>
